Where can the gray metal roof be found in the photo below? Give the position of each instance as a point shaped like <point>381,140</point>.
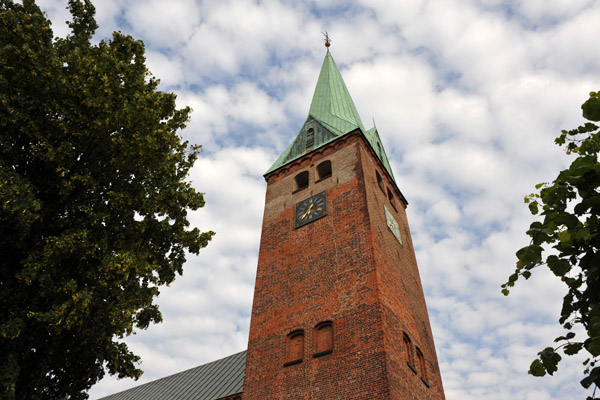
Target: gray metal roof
<point>211,381</point>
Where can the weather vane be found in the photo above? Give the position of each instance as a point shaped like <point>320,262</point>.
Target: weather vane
<point>327,40</point>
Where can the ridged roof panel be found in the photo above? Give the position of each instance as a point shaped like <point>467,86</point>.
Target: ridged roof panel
<point>215,380</point>
<point>332,104</point>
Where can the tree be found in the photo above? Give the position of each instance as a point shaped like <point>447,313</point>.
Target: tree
<point>567,241</point>
<point>93,202</point>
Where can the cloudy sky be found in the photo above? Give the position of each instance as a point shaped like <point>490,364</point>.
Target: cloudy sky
<point>467,96</point>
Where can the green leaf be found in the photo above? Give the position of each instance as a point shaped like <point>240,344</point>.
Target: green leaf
<point>558,266</point>
<point>591,108</point>
<point>568,325</point>
<point>549,359</point>
<point>539,233</point>
<point>533,207</point>
<point>531,254</point>
<point>591,202</point>
<point>573,348</point>
<point>592,378</point>
<point>567,219</point>
<point>537,368</point>
<point>593,346</point>
<point>564,236</point>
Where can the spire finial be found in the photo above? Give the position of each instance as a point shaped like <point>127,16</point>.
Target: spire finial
<point>327,40</point>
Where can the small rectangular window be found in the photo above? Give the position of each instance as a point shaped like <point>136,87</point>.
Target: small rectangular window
<point>301,180</point>
<point>324,170</point>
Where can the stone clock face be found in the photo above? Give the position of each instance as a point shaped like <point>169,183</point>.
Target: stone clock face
<point>311,209</point>
<point>392,223</point>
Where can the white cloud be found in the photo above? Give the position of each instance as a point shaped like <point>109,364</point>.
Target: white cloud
<point>168,69</point>
<point>164,24</point>
<point>237,34</point>
<point>398,92</point>
<point>226,116</point>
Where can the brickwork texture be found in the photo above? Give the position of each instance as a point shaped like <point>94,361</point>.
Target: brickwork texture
<point>347,272</point>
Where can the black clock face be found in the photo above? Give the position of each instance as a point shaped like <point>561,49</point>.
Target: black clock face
<point>311,209</point>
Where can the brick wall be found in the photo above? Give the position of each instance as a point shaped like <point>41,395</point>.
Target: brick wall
<point>347,270</point>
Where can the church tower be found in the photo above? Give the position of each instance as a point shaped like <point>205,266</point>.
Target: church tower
<point>339,310</point>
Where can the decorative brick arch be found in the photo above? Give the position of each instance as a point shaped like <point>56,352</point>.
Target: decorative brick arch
<point>323,338</point>
<point>295,347</point>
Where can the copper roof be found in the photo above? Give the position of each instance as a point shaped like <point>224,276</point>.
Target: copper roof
<point>332,114</point>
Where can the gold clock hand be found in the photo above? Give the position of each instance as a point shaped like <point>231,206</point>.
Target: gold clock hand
<point>307,211</point>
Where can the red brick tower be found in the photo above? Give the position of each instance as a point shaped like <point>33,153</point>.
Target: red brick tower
<point>339,311</point>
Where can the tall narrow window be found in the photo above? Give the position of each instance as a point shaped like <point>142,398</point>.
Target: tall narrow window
<point>391,198</point>
<point>422,368</point>
<point>301,180</point>
<point>379,180</point>
<point>323,336</point>
<point>310,138</point>
<point>409,353</point>
<point>295,348</point>
<point>324,170</point>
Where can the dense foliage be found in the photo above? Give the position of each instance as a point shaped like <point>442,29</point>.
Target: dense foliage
<point>567,241</point>
<point>93,202</point>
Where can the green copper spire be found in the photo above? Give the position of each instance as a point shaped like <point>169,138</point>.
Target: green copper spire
<point>331,104</point>
<point>332,114</point>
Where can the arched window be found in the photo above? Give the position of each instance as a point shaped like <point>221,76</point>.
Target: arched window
<point>323,337</point>
<point>301,180</point>
<point>310,139</point>
<point>324,170</point>
<point>379,180</point>
<point>295,348</point>
<point>410,358</point>
<point>421,360</point>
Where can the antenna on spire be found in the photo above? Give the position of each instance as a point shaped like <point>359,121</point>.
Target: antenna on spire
<point>327,40</point>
